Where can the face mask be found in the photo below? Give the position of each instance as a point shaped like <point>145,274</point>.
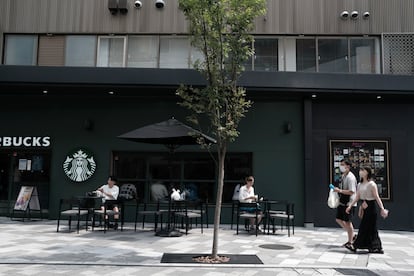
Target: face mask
<point>342,168</point>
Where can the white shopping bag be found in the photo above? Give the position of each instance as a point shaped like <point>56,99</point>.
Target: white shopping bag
<point>333,199</point>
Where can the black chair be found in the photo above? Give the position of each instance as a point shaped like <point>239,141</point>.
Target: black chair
<point>187,210</point>
<point>72,208</point>
<point>108,214</point>
<point>154,209</point>
<point>281,210</point>
<point>248,211</point>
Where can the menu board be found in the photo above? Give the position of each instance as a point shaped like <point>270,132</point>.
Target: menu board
<point>372,153</point>
<point>27,197</point>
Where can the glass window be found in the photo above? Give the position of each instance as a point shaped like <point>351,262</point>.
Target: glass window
<point>266,54</point>
<point>80,50</point>
<point>193,171</point>
<point>364,55</point>
<point>111,51</point>
<point>20,50</point>
<point>195,56</point>
<point>143,51</point>
<point>333,55</point>
<point>174,52</point>
<point>305,55</point>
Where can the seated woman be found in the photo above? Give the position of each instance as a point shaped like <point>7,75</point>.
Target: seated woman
<point>110,191</point>
<point>246,195</point>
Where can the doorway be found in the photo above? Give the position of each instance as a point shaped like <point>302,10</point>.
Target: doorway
<point>23,167</point>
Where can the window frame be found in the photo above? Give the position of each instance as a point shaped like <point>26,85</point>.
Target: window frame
<point>98,50</point>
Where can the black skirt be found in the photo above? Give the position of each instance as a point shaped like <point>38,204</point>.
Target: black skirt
<point>368,237</point>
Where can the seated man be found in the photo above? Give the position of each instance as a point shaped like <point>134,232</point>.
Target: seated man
<point>158,191</point>
<point>246,194</point>
<point>110,191</point>
<point>127,192</point>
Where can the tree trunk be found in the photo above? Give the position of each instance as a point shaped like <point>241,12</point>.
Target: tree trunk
<point>219,195</point>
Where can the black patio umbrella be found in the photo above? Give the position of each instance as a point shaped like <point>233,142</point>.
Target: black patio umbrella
<point>171,133</point>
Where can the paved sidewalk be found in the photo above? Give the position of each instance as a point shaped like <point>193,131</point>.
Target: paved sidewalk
<point>35,248</point>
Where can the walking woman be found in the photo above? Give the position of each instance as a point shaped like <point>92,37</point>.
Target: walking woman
<point>367,191</point>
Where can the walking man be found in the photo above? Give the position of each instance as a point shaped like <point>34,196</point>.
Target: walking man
<point>346,192</point>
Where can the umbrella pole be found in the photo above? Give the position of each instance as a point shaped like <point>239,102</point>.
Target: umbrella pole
<point>170,232</point>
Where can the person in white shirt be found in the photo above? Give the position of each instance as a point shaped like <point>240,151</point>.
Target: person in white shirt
<point>236,192</point>
<point>346,192</point>
<point>247,195</point>
<point>110,191</point>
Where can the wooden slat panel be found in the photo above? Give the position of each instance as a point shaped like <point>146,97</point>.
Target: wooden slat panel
<point>283,17</point>
<point>51,50</point>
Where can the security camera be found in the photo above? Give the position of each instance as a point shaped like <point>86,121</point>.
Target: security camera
<point>138,4</point>
<point>159,4</point>
<point>354,15</point>
<point>366,15</point>
<point>344,14</point>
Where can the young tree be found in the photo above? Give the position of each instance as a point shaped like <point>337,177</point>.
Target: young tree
<point>220,30</point>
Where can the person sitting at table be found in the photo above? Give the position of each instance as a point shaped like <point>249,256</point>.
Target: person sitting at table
<point>110,191</point>
<point>159,191</point>
<point>246,195</point>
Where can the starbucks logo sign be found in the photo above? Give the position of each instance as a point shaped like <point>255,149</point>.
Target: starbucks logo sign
<point>79,165</point>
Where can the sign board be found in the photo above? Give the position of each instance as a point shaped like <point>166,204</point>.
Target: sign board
<point>361,152</point>
<point>27,197</point>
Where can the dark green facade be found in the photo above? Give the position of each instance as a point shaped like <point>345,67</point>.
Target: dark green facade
<point>75,117</point>
<point>78,112</point>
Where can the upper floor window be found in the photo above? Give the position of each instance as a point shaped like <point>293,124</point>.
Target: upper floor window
<point>143,51</point>
<point>174,52</point>
<point>305,55</point>
<point>266,54</point>
<point>20,49</point>
<point>80,50</point>
<point>302,54</point>
<point>333,55</point>
<point>365,55</point>
<point>111,51</point>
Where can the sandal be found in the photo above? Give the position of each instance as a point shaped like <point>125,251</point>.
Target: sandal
<point>346,244</point>
<point>350,247</point>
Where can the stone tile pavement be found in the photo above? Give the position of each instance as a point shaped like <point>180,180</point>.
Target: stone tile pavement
<point>35,248</point>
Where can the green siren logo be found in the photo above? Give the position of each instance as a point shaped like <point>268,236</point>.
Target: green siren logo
<point>79,165</point>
